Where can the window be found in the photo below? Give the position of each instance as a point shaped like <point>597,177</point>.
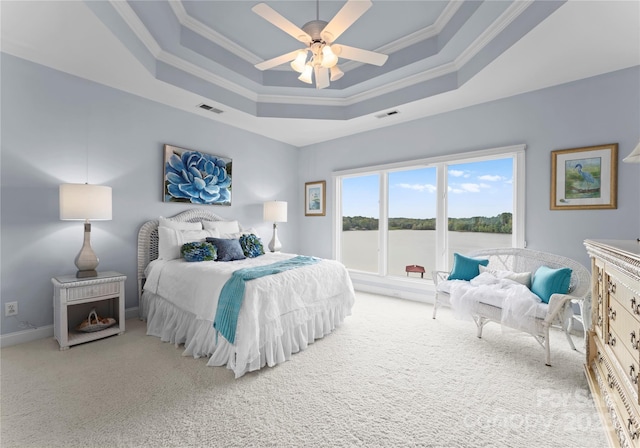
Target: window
<point>421,212</point>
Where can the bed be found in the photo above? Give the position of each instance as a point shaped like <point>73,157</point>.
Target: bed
<point>280,314</point>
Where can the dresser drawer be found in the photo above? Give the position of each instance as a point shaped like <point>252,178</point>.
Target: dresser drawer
<point>621,407</point>
<point>621,289</point>
<point>90,291</point>
<point>627,360</point>
<point>626,325</point>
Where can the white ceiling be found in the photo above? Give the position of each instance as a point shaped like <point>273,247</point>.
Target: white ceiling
<point>579,39</point>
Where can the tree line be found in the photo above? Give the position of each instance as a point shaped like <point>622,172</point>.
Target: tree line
<point>501,223</point>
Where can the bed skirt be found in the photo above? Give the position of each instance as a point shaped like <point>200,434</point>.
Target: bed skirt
<point>278,339</point>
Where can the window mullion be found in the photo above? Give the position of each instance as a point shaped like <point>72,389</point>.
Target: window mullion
<point>441,218</point>
<point>383,224</point>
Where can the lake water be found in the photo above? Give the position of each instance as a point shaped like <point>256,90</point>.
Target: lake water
<point>360,248</point>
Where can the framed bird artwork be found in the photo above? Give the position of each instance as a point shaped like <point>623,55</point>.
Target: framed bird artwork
<point>584,178</point>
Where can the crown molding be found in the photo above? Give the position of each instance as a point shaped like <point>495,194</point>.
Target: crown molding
<point>206,75</point>
<point>135,24</point>
<point>208,33</point>
<point>498,25</point>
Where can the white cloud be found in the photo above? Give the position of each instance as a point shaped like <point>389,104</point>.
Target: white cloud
<point>456,173</point>
<point>467,188</point>
<point>491,177</point>
<point>419,187</point>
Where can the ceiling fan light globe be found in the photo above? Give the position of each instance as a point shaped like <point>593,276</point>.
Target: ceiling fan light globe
<point>299,62</point>
<point>336,73</point>
<point>306,74</point>
<point>329,59</point>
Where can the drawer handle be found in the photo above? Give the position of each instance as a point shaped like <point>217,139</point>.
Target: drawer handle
<point>632,371</point>
<point>612,340</point>
<point>600,321</point>
<point>612,287</point>
<point>634,341</point>
<point>612,314</point>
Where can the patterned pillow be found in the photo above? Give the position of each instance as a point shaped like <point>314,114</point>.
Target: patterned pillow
<point>251,245</point>
<point>228,249</point>
<point>198,251</point>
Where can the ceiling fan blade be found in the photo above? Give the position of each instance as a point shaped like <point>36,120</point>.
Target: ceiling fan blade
<point>349,13</point>
<point>322,77</point>
<point>266,65</point>
<point>360,55</point>
<point>272,16</point>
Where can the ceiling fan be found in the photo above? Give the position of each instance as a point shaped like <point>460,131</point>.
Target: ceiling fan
<point>319,37</point>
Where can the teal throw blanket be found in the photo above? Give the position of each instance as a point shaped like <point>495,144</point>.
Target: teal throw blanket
<point>232,293</point>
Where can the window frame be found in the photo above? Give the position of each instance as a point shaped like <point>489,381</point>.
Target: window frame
<point>517,152</point>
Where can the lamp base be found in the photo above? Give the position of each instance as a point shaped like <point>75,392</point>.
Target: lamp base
<point>274,245</point>
<point>86,261</point>
<point>85,274</point>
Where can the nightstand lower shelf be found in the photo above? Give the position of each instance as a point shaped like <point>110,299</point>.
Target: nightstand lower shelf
<point>80,338</point>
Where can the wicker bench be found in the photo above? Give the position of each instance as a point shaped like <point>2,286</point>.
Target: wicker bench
<point>559,310</point>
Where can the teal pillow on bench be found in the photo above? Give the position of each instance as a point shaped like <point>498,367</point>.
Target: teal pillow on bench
<point>547,281</point>
<point>466,268</point>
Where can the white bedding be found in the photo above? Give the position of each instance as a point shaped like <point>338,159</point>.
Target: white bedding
<point>280,314</point>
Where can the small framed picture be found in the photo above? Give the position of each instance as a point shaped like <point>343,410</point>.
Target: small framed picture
<point>314,198</point>
<point>584,178</point>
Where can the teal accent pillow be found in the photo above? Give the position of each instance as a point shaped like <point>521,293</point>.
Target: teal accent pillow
<point>466,268</point>
<point>251,245</point>
<point>198,251</point>
<point>547,281</point>
<point>228,249</point>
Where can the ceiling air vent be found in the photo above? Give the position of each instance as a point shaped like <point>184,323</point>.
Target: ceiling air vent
<point>210,108</point>
<point>387,114</point>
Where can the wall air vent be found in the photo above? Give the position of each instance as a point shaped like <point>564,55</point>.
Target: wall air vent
<point>210,108</point>
<point>387,114</point>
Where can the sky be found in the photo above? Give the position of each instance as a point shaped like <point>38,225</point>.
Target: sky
<point>475,189</point>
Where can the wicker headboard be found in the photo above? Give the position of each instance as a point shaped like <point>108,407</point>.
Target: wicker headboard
<point>148,239</point>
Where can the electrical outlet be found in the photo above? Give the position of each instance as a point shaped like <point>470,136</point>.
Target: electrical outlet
<point>11,308</point>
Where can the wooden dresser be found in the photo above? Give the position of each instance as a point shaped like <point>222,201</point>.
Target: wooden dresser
<point>613,338</point>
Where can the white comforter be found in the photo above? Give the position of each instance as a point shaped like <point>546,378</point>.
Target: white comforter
<point>275,307</point>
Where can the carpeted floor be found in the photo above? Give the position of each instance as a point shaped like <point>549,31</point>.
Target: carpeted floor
<point>390,376</point>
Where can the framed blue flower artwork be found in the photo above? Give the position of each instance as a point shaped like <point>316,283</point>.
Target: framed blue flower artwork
<point>196,177</point>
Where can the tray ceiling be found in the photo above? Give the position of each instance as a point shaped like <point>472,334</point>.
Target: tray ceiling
<point>205,51</point>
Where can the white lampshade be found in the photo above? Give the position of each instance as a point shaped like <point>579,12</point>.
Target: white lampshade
<point>275,211</point>
<point>634,157</point>
<point>336,73</point>
<point>306,74</point>
<point>85,202</point>
<point>298,63</point>
<point>329,59</point>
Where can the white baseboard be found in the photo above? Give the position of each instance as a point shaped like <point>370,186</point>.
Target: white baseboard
<point>20,337</point>
<point>33,334</point>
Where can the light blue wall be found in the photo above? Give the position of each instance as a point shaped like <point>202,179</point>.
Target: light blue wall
<point>600,110</point>
<point>51,121</point>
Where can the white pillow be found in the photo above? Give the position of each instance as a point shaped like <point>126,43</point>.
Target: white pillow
<point>222,226</point>
<point>524,278</point>
<point>179,225</point>
<point>170,241</point>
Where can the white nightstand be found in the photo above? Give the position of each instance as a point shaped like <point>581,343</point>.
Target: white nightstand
<point>74,298</point>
